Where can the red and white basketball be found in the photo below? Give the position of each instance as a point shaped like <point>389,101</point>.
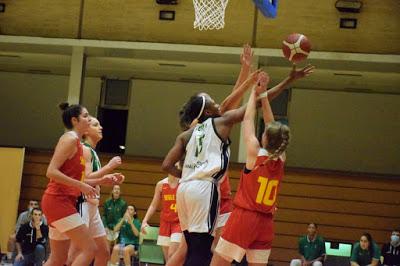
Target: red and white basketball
<point>296,47</point>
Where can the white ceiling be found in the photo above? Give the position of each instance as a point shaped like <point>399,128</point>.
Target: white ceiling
<point>333,72</point>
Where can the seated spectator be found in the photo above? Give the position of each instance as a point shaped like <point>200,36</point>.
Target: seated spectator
<point>311,248</point>
<point>128,241</point>
<point>391,250</point>
<point>31,241</point>
<point>23,218</point>
<point>365,252</point>
<point>26,216</point>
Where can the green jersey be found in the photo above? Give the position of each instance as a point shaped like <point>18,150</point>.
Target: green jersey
<point>96,165</point>
<point>311,249</point>
<point>126,235</point>
<point>363,256</point>
<point>114,210</point>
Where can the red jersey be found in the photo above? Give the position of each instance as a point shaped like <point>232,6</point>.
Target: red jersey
<point>225,187</point>
<point>258,188</point>
<point>168,199</point>
<point>226,204</point>
<point>74,168</point>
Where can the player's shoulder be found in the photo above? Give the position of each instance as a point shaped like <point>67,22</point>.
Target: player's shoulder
<point>161,184</point>
<point>163,181</point>
<point>184,137</point>
<point>69,137</point>
<point>87,153</point>
<point>262,153</point>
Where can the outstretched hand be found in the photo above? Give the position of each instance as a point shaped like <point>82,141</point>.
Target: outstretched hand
<point>254,76</point>
<point>247,55</point>
<point>304,72</point>
<point>262,82</point>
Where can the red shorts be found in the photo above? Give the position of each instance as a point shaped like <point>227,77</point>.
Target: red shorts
<point>249,229</point>
<point>169,232</point>
<point>57,207</point>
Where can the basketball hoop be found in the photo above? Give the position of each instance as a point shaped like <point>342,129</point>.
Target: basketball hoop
<point>209,14</point>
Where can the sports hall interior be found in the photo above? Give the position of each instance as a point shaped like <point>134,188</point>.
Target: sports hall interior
<point>343,168</point>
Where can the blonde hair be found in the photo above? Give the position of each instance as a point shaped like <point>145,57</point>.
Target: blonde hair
<point>278,136</point>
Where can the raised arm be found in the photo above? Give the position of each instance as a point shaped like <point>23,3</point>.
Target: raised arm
<point>118,226</point>
<point>249,132</point>
<point>246,59</point>
<point>268,116</point>
<point>176,153</point>
<point>153,206</point>
<point>135,230</point>
<point>293,76</point>
<point>234,99</point>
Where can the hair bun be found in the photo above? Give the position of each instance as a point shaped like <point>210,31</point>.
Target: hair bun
<point>63,106</point>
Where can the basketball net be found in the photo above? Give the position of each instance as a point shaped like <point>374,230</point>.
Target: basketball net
<point>209,14</point>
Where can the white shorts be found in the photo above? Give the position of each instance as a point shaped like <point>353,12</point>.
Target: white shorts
<point>231,251</point>
<point>166,241</point>
<point>58,228</point>
<point>197,202</point>
<point>222,219</point>
<point>91,217</point>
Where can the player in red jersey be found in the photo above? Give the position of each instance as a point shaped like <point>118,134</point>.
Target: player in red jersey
<point>249,230</point>
<point>88,208</point>
<point>66,172</point>
<point>170,234</point>
<point>225,208</point>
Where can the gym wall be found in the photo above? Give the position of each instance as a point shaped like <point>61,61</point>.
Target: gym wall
<point>377,30</point>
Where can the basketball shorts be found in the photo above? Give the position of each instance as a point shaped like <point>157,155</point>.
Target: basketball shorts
<point>247,233</point>
<point>198,205</point>
<point>91,217</point>
<point>61,215</point>
<point>169,232</point>
<point>225,210</point>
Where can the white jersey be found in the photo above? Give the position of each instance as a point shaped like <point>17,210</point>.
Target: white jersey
<point>207,155</point>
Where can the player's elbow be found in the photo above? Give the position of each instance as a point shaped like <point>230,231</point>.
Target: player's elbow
<point>166,166</point>
<point>49,172</point>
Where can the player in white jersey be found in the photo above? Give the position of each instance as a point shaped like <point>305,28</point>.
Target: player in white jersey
<point>207,156</point>
<point>244,81</point>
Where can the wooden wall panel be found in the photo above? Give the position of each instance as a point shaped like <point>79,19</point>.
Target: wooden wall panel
<point>344,206</point>
<point>41,18</point>
<point>129,20</point>
<point>377,29</point>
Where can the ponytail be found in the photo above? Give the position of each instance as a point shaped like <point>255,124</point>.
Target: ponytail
<point>278,136</point>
